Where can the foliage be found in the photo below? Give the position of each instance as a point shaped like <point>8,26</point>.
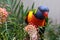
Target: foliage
<point>13,28</point>
<point>52,32</point>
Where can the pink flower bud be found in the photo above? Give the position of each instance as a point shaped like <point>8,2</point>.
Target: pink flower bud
<point>3,15</point>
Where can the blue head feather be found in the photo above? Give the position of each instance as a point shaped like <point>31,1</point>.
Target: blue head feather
<point>39,13</point>
<point>43,8</point>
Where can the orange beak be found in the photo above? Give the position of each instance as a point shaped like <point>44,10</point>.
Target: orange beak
<point>46,14</point>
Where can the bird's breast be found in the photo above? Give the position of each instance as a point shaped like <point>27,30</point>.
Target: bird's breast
<point>32,19</point>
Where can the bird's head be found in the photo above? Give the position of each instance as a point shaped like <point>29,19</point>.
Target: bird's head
<point>44,10</point>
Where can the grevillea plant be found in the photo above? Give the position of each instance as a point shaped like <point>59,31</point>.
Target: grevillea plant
<point>13,28</point>
<point>3,15</point>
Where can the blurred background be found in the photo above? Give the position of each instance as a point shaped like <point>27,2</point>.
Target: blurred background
<point>13,27</point>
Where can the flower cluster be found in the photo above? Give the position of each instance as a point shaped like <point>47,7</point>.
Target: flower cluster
<point>3,15</point>
<point>32,31</point>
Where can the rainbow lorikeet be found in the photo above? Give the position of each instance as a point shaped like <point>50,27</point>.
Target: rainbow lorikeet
<point>38,17</point>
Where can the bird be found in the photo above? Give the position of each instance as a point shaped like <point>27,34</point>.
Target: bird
<point>37,17</point>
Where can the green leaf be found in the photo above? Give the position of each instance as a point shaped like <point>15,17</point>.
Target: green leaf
<point>26,11</point>
<point>9,2</point>
<point>32,6</point>
<point>16,6</point>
